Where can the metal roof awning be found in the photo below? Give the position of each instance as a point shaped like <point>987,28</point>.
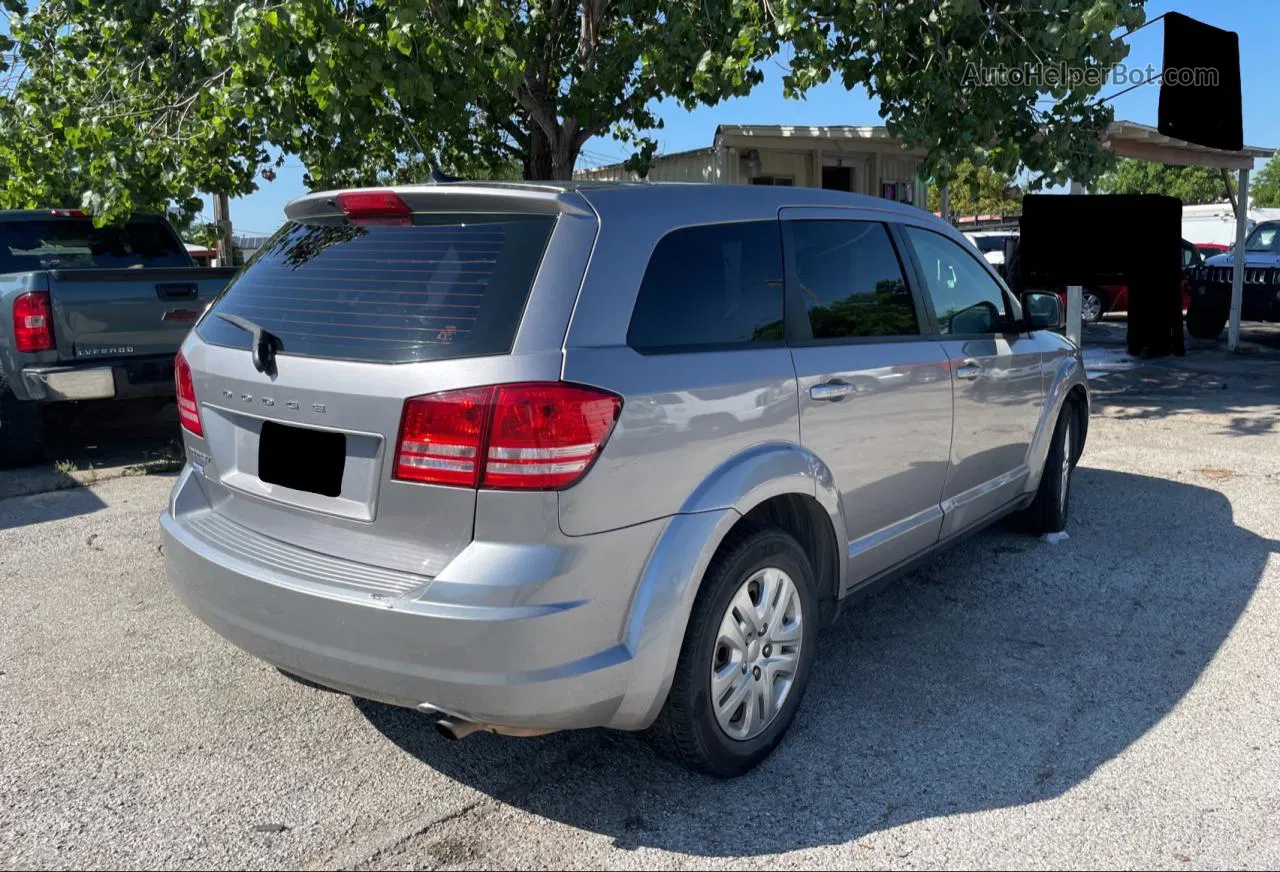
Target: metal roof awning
<point>793,131</point>
<point>1138,141</point>
<point>1141,142</point>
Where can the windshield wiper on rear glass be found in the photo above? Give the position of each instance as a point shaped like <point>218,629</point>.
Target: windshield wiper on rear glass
<point>265,343</point>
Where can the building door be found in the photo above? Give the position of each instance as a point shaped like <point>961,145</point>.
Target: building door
<point>837,178</point>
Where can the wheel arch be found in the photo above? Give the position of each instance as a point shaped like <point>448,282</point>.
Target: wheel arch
<point>773,483</point>
<point>1069,384</point>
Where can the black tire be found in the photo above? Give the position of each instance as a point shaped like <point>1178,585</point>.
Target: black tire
<point>21,429</point>
<point>1048,511</point>
<point>1205,321</point>
<point>687,729</point>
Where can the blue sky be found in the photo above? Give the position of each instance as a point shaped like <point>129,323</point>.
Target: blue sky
<point>1257,22</point>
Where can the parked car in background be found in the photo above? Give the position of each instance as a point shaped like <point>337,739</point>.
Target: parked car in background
<point>991,243</point>
<point>1211,284</point>
<point>1211,249</point>
<point>89,313</point>
<point>200,255</point>
<point>1097,301</point>
<point>441,449</point>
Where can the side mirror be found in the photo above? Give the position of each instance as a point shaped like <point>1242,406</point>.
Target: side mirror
<point>1043,311</point>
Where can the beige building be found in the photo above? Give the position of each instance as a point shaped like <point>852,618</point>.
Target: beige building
<point>864,160</point>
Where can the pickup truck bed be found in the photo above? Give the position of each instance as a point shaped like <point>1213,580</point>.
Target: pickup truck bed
<point>74,331</point>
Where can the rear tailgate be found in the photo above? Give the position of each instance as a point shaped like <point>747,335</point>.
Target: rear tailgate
<point>119,313</point>
<point>366,316</point>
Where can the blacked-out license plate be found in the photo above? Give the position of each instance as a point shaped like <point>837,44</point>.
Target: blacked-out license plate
<point>302,459</point>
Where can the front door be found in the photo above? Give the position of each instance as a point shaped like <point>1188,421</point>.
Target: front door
<point>875,396</point>
<point>997,379</point>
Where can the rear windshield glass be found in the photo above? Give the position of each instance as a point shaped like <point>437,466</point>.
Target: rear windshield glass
<point>74,243</point>
<point>988,244</point>
<point>444,286</point>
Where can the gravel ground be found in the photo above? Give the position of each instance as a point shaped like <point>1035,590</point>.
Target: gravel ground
<point>1107,701</point>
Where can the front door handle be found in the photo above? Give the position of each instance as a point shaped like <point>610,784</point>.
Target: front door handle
<point>832,390</point>
<point>969,370</point>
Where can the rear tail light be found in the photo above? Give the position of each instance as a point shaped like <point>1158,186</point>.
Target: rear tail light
<point>374,207</point>
<point>33,322</point>
<point>68,213</point>
<point>441,436</point>
<point>188,409</point>
<point>535,436</point>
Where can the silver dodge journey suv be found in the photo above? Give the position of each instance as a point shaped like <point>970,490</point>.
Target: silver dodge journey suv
<point>529,457</point>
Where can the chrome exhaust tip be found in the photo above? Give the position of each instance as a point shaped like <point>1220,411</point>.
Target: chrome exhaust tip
<point>454,729</point>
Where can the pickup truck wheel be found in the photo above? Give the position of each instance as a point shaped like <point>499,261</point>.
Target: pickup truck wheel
<point>1093,305</point>
<point>1048,512</point>
<point>21,429</point>
<point>1205,321</point>
<point>746,655</point>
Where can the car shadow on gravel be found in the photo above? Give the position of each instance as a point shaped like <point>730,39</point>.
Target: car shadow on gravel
<point>1004,672</point>
<point>86,443</point>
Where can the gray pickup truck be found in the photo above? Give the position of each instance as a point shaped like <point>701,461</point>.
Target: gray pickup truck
<point>89,313</point>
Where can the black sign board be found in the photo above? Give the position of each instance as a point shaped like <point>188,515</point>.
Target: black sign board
<point>1200,84</point>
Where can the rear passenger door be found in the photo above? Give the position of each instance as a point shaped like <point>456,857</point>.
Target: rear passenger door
<point>998,380</point>
<point>875,395</point>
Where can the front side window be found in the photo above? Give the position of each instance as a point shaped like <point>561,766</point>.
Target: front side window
<point>849,277</point>
<point>965,297</point>
<point>711,285</point>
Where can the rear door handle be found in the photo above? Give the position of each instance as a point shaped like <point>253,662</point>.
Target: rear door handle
<point>831,391</point>
<point>969,370</point>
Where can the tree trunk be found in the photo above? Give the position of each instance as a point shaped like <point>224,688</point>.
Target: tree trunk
<point>562,161</point>
<point>537,159</point>
<point>544,162</point>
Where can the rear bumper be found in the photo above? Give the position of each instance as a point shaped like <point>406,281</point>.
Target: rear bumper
<point>150,376</point>
<point>508,648</point>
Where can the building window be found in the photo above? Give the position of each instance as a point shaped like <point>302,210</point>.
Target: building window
<point>902,192</point>
<point>783,181</point>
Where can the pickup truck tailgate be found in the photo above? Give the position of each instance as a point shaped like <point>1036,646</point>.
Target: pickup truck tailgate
<point>115,313</point>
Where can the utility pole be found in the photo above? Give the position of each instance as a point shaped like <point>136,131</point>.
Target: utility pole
<point>222,217</point>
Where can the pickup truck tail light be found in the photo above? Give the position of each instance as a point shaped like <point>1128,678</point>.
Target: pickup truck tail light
<point>188,408</point>
<point>33,322</point>
<point>530,436</point>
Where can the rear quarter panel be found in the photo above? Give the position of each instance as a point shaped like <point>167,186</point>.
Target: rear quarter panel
<point>684,415</point>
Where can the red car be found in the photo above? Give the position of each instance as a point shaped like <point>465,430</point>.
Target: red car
<point>1098,300</point>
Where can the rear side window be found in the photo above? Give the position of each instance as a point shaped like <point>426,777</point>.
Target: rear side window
<point>445,286</point>
<point>74,243</point>
<point>849,277</point>
<point>715,285</point>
